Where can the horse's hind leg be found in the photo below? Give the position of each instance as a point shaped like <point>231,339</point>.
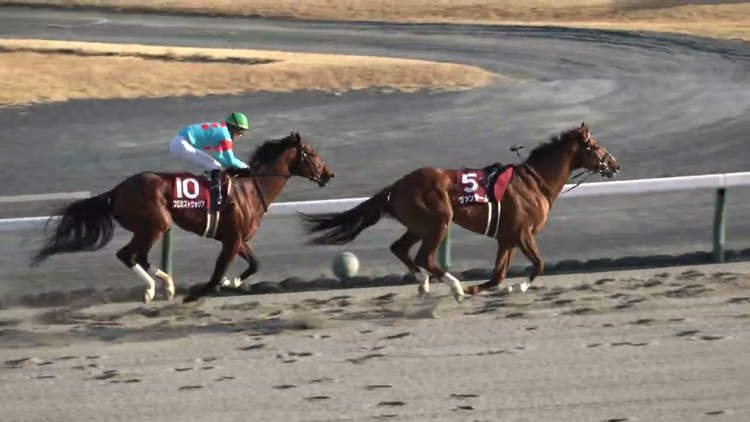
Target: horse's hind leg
<point>426,259</point>
<point>429,219</point>
<point>132,256</point>
<point>164,278</point>
<point>400,248</point>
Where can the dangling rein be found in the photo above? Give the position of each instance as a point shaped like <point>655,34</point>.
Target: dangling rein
<point>582,180</point>
<point>249,172</point>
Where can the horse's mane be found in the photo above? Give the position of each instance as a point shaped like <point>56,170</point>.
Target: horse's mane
<point>269,150</point>
<point>554,142</point>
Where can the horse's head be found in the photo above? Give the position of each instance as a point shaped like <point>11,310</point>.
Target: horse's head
<point>307,162</point>
<point>592,156</point>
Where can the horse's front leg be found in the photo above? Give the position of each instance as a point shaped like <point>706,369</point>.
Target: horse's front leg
<point>531,251</point>
<point>229,249</point>
<point>502,261</point>
<point>246,252</point>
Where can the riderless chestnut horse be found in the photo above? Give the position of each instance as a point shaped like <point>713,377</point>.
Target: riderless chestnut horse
<point>428,199</point>
<point>147,204</point>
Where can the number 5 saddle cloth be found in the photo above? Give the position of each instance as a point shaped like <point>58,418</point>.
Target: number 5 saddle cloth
<point>485,186</point>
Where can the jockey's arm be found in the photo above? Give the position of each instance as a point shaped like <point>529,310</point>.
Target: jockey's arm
<point>229,160</point>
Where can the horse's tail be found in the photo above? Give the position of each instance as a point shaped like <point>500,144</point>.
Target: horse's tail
<point>343,227</point>
<point>84,225</point>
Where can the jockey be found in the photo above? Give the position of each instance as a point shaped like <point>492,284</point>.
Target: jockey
<point>210,146</point>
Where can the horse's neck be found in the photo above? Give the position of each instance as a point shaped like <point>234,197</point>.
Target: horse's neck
<point>276,176</point>
<point>554,168</point>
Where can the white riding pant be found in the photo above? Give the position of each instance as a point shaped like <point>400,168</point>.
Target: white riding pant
<point>182,148</point>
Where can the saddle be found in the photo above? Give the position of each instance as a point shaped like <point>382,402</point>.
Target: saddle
<point>485,186</point>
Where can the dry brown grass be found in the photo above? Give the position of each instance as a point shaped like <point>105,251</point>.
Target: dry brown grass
<point>728,20</point>
<point>44,75</point>
<point>32,77</point>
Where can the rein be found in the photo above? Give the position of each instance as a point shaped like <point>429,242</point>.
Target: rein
<point>249,172</point>
<point>579,183</point>
<point>260,193</point>
<point>302,159</point>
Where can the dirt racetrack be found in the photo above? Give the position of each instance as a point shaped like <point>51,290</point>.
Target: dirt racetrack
<point>649,345</point>
<point>667,345</point>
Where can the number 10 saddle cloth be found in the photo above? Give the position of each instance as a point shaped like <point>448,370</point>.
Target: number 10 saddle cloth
<point>191,192</point>
<point>485,186</point>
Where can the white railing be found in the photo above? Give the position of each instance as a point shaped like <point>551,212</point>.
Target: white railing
<point>624,187</point>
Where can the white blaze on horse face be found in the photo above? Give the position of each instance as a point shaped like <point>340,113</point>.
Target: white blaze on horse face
<point>424,282</point>
<point>455,285</point>
<point>150,292</point>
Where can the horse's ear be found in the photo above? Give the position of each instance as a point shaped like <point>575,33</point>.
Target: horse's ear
<point>583,125</point>
<point>297,137</point>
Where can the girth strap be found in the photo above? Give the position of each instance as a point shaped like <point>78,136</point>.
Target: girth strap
<point>212,223</point>
<point>493,219</point>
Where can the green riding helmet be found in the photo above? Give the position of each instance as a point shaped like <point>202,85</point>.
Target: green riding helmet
<point>239,120</point>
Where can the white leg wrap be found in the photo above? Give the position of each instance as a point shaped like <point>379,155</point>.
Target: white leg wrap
<point>522,286</point>
<point>424,282</point>
<point>234,283</point>
<point>455,285</point>
<point>143,275</point>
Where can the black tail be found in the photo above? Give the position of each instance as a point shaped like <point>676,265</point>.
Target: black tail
<point>84,225</point>
<point>343,227</point>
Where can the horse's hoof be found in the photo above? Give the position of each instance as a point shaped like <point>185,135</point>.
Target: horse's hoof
<point>195,293</point>
<point>148,296</point>
<point>422,289</point>
<point>167,283</point>
<point>458,294</point>
<point>524,286</point>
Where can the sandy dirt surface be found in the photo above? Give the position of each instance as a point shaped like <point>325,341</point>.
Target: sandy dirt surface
<point>713,18</point>
<point>77,70</point>
<point>668,345</point>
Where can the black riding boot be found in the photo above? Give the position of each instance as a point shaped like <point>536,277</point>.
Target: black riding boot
<point>216,190</point>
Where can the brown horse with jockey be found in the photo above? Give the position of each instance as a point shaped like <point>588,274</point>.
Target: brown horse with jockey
<point>147,204</point>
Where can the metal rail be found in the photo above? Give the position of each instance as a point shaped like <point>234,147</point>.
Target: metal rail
<point>720,182</point>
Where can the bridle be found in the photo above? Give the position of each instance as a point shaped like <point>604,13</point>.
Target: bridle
<point>603,166</point>
<point>302,158</point>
